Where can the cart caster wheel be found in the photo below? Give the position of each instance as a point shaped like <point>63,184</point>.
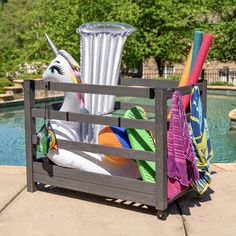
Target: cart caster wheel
<point>161,215</point>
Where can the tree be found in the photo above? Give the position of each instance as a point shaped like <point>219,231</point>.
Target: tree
<point>12,26</point>
<point>222,22</point>
<point>166,28</point>
<point>2,2</point>
<point>23,23</point>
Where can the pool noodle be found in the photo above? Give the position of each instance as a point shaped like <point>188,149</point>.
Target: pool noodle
<point>186,72</point>
<point>191,59</point>
<point>201,57</point>
<point>196,47</point>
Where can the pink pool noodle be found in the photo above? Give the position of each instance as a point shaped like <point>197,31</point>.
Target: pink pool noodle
<point>201,57</point>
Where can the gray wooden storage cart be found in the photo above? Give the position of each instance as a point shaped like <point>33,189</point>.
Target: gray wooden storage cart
<point>110,186</point>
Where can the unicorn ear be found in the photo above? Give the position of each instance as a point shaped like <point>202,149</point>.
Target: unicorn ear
<point>51,44</point>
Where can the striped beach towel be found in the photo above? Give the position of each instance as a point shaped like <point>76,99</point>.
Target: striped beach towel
<point>181,161</point>
<point>201,141</point>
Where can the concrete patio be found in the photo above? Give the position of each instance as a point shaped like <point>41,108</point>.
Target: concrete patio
<point>55,211</point>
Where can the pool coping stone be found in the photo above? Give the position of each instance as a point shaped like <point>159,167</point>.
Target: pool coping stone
<point>20,102</point>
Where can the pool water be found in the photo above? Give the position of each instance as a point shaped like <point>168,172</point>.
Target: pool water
<point>12,143</point>
<point>223,140</point>
<point>12,134</point>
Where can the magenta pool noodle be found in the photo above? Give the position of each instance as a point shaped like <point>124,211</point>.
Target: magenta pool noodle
<point>201,57</point>
<point>196,47</point>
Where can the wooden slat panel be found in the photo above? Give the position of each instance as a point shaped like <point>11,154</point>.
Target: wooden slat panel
<point>113,181</point>
<point>161,152</point>
<point>40,113</point>
<point>160,84</point>
<point>95,119</point>
<point>115,121</point>
<point>118,91</point>
<point>183,90</point>
<point>101,149</point>
<point>30,128</point>
<point>94,188</point>
<point>126,106</point>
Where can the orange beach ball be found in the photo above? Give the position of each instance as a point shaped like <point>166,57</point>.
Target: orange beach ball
<point>114,137</point>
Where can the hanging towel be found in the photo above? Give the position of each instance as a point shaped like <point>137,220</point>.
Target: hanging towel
<point>143,140</point>
<point>201,141</point>
<point>181,161</point>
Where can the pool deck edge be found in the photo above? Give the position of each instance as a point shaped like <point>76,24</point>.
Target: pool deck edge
<point>20,102</point>
<point>224,166</point>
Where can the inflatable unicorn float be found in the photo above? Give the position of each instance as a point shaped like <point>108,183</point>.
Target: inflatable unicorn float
<point>100,48</point>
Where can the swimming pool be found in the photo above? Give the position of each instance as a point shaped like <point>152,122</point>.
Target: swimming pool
<point>223,140</point>
<point>12,137</point>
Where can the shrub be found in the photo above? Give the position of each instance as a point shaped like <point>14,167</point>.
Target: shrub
<point>4,83</point>
<point>32,76</point>
<point>30,70</point>
<point>173,77</point>
<point>2,90</point>
<point>220,83</point>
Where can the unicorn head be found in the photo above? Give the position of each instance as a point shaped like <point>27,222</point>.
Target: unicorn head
<point>63,68</point>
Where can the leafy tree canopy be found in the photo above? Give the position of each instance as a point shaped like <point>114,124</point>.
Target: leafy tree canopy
<point>222,22</point>
<point>165,28</point>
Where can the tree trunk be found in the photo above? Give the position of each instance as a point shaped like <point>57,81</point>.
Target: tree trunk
<point>160,66</point>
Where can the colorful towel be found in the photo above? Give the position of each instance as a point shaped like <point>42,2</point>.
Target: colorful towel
<point>143,140</point>
<point>201,141</point>
<point>182,168</point>
<point>181,161</point>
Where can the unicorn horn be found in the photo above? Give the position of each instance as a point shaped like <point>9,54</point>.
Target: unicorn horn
<point>51,44</point>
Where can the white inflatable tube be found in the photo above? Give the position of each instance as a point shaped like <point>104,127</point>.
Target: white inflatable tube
<point>86,161</point>
<point>93,163</point>
<point>101,49</point>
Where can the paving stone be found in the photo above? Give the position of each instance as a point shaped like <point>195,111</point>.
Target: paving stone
<point>226,166</point>
<point>65,212</point>
<point>12,180</point>
<point>215,212</point>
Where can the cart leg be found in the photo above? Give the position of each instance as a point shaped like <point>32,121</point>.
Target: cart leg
<point>162,215</point>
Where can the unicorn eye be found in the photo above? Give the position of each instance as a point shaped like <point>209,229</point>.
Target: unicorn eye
<point>57,68</point>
